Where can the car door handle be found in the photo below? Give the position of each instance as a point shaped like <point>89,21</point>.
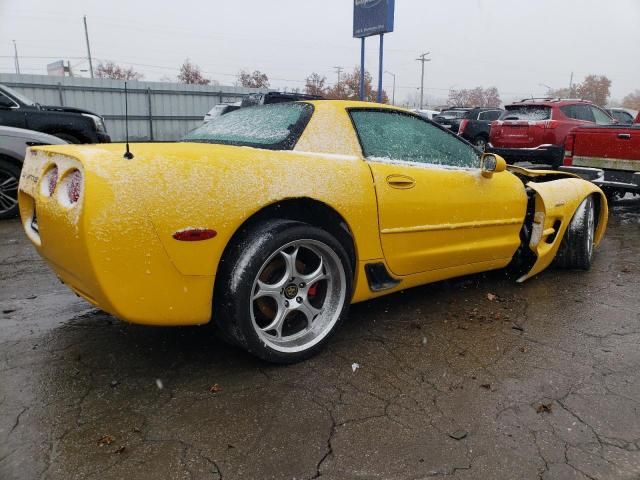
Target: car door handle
<point>624,136</point>
<point>400,181</point>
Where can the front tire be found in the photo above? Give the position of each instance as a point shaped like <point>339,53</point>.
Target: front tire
<point>576,249</point>
<point>9,178</point>
<point>283,290</point>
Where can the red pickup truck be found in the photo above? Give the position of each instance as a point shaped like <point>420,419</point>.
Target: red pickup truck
<point>612,150</point>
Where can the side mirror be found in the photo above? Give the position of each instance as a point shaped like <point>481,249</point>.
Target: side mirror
<point>492,163</point>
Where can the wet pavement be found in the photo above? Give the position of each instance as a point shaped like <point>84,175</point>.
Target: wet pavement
<point>477,378</point>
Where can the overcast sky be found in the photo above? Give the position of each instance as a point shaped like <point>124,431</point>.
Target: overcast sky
<point>515,45</point>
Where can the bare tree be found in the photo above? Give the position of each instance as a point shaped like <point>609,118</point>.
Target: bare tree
<point>476,97</point>
<point>632,100</point>
<point>349,88</point>
<point>315,84</point>
<point>116,72</point>
<point>257,79</point>
<point>595,88</point>
<point>190,73</point>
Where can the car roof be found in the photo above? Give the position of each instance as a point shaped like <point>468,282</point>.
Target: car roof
<point>547,102</point>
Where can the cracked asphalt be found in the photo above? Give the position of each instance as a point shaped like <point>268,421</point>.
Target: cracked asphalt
<point>541,381</point>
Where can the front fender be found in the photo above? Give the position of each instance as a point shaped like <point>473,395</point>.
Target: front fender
<point>555,204</point>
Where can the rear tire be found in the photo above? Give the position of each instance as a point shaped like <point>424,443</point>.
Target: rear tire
<point>282,290</point>
<point>480,142</point>
<point>576,249</point>
<point>9,179</point>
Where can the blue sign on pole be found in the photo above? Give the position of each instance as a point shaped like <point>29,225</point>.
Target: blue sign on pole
<point>372,17</point>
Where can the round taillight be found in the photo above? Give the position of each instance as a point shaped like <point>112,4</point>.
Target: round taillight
<point>50,181</point>
<point>74,185</point>
<point>70,188</point>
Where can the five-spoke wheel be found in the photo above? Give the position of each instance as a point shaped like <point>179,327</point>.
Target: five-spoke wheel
<point>283,290</point>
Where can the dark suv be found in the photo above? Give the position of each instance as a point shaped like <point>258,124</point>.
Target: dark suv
<point>534,130</point>
<point>73,125</point>
<point>276,97</point>
<point>476,125</point>
<point>451,117</point>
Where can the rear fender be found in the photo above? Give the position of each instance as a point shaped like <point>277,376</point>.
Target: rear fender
<point>555,204</point>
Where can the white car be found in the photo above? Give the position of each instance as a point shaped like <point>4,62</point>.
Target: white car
<point>428,114</point>
<point>625,116</point>
<point>220,109</point>
<point>13,145</point>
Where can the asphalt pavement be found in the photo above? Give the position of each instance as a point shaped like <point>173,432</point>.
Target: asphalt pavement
<point>476,378</point>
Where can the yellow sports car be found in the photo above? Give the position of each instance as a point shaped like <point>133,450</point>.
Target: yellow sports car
<point>271,220</point>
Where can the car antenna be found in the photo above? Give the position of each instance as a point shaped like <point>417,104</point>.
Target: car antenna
<point>127,154</point>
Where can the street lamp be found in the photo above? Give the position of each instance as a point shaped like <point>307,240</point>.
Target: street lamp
<point>393,96</point>
<point>549,89</point>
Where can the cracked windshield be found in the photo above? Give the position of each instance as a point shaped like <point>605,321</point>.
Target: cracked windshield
<point>350,239</point>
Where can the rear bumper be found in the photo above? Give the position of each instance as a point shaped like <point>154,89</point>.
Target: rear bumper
<point>110,255</point>
<point>608,180</point>
<point>544,154</point>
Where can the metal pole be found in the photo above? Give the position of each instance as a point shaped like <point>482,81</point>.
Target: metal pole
<point>393,95</point>
<point>15,57</point>
<point>86,35</point>
<point>362,69</point>
<point>422,59</point>
<point>380,69</point>
<point>150,112</point>
<point>422,86</point>
<point>571,95</point>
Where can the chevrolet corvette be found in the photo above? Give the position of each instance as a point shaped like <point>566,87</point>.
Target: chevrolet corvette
<point>271,220</point>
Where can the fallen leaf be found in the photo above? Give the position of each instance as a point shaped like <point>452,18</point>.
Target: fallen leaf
<point>517,327</point>
<point>106,440</point>
<point>486,386</point>
<point>355,366</point>
<point>215,388</point>
<point>626,270</point>
<point>9,310</point>
<point>459,434</point>
<point>491,297</point>
<point>544,408</point>
<point>120,449</point>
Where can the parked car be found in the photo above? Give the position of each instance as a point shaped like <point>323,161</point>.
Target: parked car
<point>257,99</point>
<point>535,130</point>
<point>625,116</point>
<point>13,145</point>
<point>276,97</point>
<point>475,126</point>
<point>451,118</point>
<point>73,125</point>
<point>612,149</point>
<point>271,220</point>
<point>425,113</point>
<point>220,109</point>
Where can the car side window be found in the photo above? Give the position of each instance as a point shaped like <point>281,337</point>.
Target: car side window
<point>490,115</point>
<point>6,101</point>
<point>397,136</point>
<point>583,112</point>
<point>600,117</point>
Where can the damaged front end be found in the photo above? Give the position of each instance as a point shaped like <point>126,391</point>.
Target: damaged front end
<point>553,198</point>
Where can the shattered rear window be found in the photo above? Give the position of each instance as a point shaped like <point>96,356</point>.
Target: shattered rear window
<point>276,127</point>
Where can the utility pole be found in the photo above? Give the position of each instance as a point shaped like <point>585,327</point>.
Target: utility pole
<point>338,71</point>
<point>422,59</point>
<point>393,95</point>
<point>571,86</point>
<point>15,57</point>
<point>86,35</point>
